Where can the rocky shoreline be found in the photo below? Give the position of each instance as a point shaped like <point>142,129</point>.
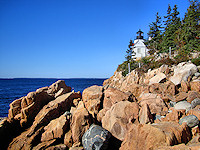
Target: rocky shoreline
<point>159,110</point>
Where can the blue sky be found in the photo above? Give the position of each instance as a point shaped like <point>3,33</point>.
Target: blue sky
<point>72,38</point>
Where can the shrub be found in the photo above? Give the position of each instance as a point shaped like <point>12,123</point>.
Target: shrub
<point>124,67</point>
<point>196,61</point>
<point>181,58</point>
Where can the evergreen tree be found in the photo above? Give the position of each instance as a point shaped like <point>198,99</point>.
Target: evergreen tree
<point>190,33</point>
<point>168,17</point>
<point>172,25</point>
<point>129,52</point>
<point>155,34</point>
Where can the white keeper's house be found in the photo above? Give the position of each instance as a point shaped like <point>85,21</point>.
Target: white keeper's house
<point>138,47</point>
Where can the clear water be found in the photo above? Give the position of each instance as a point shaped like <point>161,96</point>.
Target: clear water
<point>12,89</point>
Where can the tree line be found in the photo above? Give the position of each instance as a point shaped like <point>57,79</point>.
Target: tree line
<point>182,35</point>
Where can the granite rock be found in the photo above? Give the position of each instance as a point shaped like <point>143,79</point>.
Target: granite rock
<point>92,98</point>
<point>152,136</point>
<point>112,96</point>
<point>96,138</point>
<point>183,105</point>
<point>192,95</point>
<point>191,120</point>
<point>182,71</point>
<point>195,111</point>
<point>195,85</point>
<point>195,102</point>
<point>55,129</point>
<point>118,118</point>
<point>145,115</point>
<point>154,101</point>
<point>157,78</point>
<point>80,123</point>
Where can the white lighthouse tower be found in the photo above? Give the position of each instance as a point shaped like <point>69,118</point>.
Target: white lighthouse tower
<point>139,48</point>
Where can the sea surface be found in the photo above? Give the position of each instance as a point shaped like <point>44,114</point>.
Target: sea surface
<point>12,89</point>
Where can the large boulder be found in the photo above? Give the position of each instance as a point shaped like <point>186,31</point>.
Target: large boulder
<point>165,89</point>
<point>157,78</point>
<point>55,129</point>
<point>152,136</point>
<point>58,88</point>
<point>101,114</point>
<point>35,101</point>
<point>95,137</point>
<point>174,115</point>
<point>15,108</point>
<point>183,105</point>
<point>80,123</point>
<point>195,102</point>
<point>92,98</point>
<point>112,96</point>
<point>184,86</point>
<point>115,81</point>
<point>191,120</point>
<point>195,85</point>
<point>192,95</point>
<point>26,108</point>
<point>54,109</point>
<point>24,141</point>
<point>131,78</point>
<point>135,89</point>
<point>154,101</point>
<point>182,71</point>
<point>118,118</point>
<point>145,115</point>
<point>51,111</point>
<point>181,96</point>
<point>195,111</point>
<point>151,73</point>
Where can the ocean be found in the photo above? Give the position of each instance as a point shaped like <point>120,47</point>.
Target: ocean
<point>12,89</point>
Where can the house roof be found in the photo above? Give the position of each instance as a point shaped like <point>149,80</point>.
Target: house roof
<point>139,43</point>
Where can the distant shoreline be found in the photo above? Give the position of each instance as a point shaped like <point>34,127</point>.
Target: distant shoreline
<point>55,78</point>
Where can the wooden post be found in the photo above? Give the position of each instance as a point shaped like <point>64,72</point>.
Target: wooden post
<point>129,68</point>
<point>139,65</point>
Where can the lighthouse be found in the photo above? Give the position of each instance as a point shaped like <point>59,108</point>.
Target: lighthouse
<point>139,48</point>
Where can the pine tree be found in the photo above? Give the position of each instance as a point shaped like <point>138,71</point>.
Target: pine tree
<point>190,33</point>
<point>129,52</point>
<point>168,17</point>
<point>155,34</point>
<point>172,25</point>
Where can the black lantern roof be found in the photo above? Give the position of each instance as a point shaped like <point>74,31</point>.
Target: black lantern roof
<point>140,34</point>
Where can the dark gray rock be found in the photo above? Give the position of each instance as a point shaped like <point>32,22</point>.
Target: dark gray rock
<point>191,120</point>
<point>195,102</point>
<point>96,138</point>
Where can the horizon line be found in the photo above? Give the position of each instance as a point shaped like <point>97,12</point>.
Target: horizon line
<point>48,78</point>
